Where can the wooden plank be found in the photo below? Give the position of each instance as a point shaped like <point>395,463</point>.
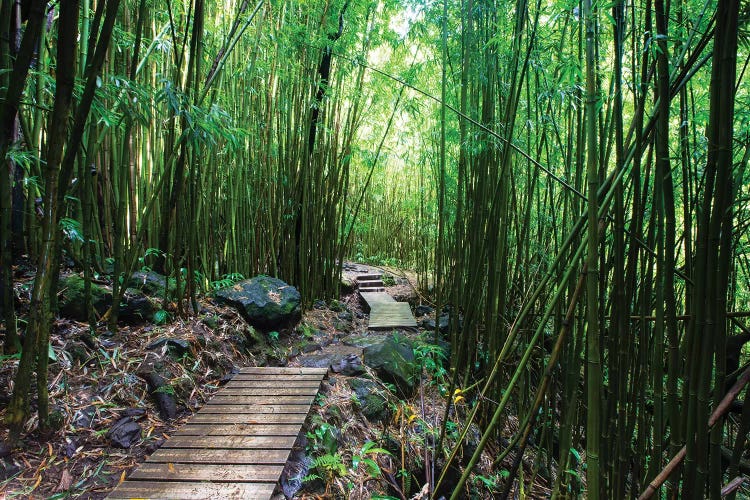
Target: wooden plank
<point>394,315</point>
<point>259,384</point>
<point>259,400</point>
<point>189,455</point>
<point>149,471</point>
<point>269,392</point>
<point>255,409</point>
<point>154,490</point>
<point>239,418</point>
<point>231,442</point>
<point>373,298</point>
<point>275,376</point>
<point>238,429</point>
<point>289,370</point>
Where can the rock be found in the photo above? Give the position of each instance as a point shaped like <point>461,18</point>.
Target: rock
<point>152,283</point>
<point>8,469</point>
<point>72,303</point>
<point>266,303</point>
<point>394,363</point>
<point>347,285</point>
<point>422,310</point>
<point>363,339</point>
<point>5,449</point>
<point>85,417</point>
<point>349,365</point>
<point>346,316</point>
<point>162,392</point>
<point>176,346</point>
<point>319,304</point>
<point>124,433</point>
<point>311,347</point>
<point>134,412</point>
<point>373,403</point>
<point>429,324</point>
<point>135,307</point>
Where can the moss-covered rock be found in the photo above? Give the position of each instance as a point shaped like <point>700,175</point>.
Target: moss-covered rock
<point>393,361</point>
<point>71,299</point>
<point>265,302</point>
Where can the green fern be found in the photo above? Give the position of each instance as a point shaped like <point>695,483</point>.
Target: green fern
<point>326,467</point>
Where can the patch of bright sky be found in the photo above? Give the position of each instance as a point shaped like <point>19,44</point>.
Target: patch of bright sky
<point>401,22</point>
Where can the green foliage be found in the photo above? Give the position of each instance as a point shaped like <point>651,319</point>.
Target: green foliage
<point>326,467</point>
<point>367,455</point>
<point>161,317</point>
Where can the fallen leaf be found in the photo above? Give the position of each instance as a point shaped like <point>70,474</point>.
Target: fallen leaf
<point>122,478</point>
<point>170,466</point>
<point>66,481</point>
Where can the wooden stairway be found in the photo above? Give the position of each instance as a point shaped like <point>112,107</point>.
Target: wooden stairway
<point>385,312</point>
<point>236,446</point>
<point>370,283</point>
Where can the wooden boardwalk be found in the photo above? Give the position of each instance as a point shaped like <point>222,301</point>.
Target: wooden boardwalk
<point>236,446</point>
<point>385,312</point>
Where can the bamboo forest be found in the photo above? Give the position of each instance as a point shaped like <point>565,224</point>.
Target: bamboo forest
<point>390,249</point>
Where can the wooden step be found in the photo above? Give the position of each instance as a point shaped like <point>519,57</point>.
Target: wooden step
<point>372,289</point>
<point>369,277</point>
<point>371,284</point>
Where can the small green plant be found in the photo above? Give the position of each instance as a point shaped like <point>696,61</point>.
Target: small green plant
<point>161,317</point>
<point>327,468</point>
<point>367,455</point>
<point>274,336</point>
<point>322,439</point>
<point>388,279</point>
<point>227,280</point>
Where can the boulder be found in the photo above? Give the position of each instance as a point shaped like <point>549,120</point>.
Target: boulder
<point>393,361</point>
<point>135,307</point>
<point>265,302</point>
<point>72,302</point>
<point>152,283</point>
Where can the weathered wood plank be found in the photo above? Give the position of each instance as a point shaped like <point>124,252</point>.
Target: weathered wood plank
<point>275,376</point>
<point>239,457</point>
<point>269,392</point>
<point>288,370</point>
<point>208,472</point>
<point>254,409</point>
<point>259,400</point>
<point>157,490</point>
<point>270,384</point>
<point>231,418</point>
<point>231,442</point>
<point>237,429</point>
<point>373,298</point>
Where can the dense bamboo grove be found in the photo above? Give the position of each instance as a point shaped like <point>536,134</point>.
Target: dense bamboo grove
<point>569,177</point>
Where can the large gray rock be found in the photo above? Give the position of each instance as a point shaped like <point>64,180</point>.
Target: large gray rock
<point>265,302</point>
<point>393,361</point>
<point>152,283</point>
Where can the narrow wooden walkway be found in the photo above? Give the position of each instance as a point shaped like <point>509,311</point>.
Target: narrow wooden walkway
<point>236,446</point>
<point>385,312</point>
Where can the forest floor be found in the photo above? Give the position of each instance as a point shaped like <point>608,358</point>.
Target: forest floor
<point>94,384</point>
